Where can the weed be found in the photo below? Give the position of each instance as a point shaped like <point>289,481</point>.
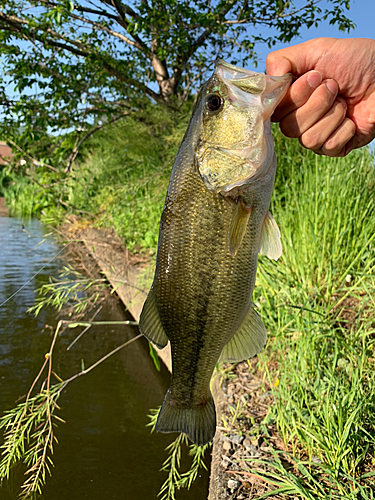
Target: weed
<point>317,304</point>
<point>177,480</point>
<point>29,427</point>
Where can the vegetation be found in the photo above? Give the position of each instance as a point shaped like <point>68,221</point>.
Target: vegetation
<point>317,304</point>
<point>100,100</point>
<point>316,301</point>
<point>120,180</point>
<point>177,480</point>
<point>71,68</point>
<point>30,427</point>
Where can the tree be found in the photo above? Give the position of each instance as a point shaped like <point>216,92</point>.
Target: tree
<point>70,67</point>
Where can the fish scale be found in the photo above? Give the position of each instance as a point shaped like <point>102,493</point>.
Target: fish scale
<point>209,240</point>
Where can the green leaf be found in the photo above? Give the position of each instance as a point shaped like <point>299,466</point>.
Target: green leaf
<point>154,356</point>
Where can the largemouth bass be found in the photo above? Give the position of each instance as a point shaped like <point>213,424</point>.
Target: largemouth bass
<point>214,223</point>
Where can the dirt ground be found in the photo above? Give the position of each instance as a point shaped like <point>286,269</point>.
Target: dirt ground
<point>243,442</point>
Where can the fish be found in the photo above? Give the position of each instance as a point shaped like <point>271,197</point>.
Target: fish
<point>214,223</point>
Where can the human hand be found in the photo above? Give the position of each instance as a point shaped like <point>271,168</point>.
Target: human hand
<point>331,106</point>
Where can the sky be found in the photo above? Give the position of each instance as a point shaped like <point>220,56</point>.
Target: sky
<point>362,13</point>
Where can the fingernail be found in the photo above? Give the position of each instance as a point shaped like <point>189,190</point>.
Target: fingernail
<point>314,79</point>
<point>332,86</point>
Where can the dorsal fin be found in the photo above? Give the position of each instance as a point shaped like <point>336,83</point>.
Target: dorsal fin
<point>248,340</point>
<point>270,240</point>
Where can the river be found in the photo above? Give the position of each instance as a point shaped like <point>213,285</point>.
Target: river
<point>105,450</point>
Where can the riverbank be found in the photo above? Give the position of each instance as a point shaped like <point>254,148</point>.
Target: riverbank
<point>4,210</point>
<point>312,433</point>
<point>130,277</point>
<point>316,303</point>
<point>126,272</point>
<point>250,455</point>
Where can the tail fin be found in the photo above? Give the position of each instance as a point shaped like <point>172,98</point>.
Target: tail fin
<point>197,422</point>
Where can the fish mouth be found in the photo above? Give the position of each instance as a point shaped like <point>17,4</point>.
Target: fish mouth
<point>229,71</point>
<point>246,87</point>
<point>238,149</point>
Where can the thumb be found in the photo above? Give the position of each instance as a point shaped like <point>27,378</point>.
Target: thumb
<point>278,65</point>
<point>299,59</point>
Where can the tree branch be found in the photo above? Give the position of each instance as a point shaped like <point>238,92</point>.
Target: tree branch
<point>198,43</point>
<point>78,49</point>
<point>123,9</point>
<point>140,46</point>
<point>79,143</point>
<point>29,157</point>
<point>121,19</point>
<point>267,20</point>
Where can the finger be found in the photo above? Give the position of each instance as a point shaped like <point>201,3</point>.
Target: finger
<point>336,145</point>
<point>298,59</point>
<point>297,95</point>
<point>278,64</point>
<point>320,102</point>
<point>359,140</point>
<point>321,131</point>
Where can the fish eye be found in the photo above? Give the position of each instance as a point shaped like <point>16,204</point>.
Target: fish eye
<point>214,102</point>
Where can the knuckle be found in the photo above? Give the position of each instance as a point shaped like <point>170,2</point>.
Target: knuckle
<point>324,100</point>
<point>311,140</point>
<point>336,143</point>
<point>339,111</point>
<point>270,58</point>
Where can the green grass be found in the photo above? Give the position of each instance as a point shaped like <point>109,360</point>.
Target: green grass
<point>317,303</point>
<point>22,196</point>
<point>118,181</point>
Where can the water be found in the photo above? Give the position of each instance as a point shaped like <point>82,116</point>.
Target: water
<point>105,450</point>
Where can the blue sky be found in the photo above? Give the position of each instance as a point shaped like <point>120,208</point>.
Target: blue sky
<point>362,13</point>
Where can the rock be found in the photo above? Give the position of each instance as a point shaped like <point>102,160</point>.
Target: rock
<point>230,388</point>
<point>265,448</point>
<point>250,447</point>
<point>227,446</point>
<point>236,438</point>
<point>233,484</point>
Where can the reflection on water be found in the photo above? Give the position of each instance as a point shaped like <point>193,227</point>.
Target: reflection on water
<point>105,450</point>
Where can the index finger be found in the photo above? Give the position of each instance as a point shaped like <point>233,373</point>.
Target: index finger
<point>298,94</point>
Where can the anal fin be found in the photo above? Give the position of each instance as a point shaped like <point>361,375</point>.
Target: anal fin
<point>248,340</point>
<point>238,227</point>
<point>270,241</point>
<point>150,324</point>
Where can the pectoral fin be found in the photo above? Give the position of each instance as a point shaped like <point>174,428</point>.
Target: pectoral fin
<point>238,227</point>
<point>270,242</point>
<point>248,340</point>
<point>150,324</point>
